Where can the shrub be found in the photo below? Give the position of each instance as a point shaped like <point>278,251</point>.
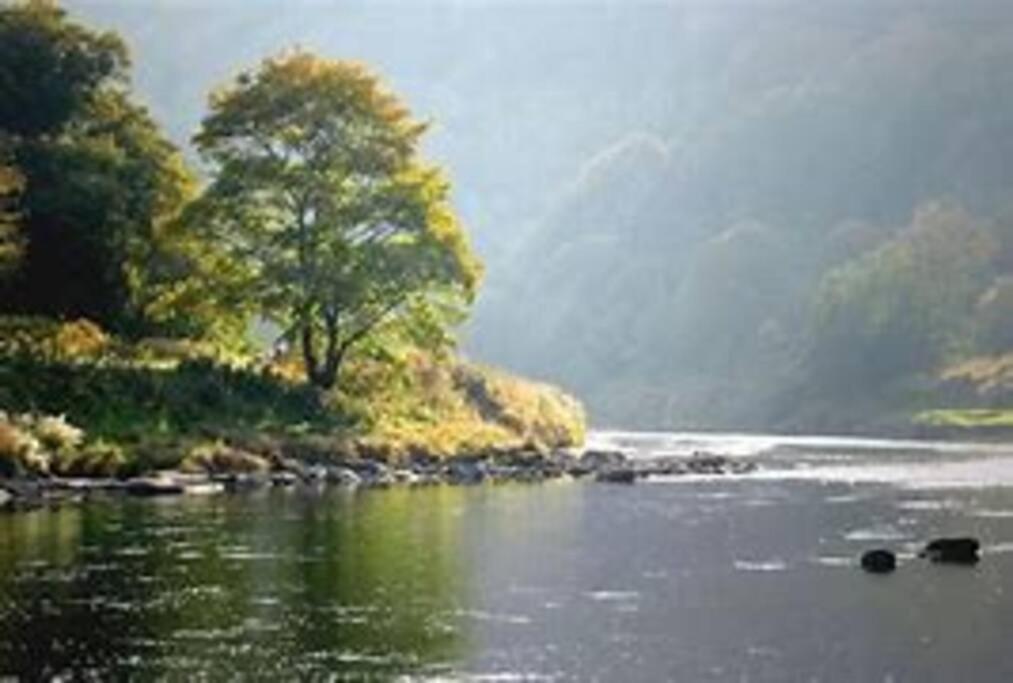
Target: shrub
<point>97,459</point>
<point>19,451</point>
<point>80,338</point>
<point>56,434</point>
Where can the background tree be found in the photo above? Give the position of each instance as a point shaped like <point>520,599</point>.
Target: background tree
<point>51,67</point>
<point>100,180</point>
<point>323,205</point>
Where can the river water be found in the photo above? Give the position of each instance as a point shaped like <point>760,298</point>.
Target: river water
<point>745,578</point>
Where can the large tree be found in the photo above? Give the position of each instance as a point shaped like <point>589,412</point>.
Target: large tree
<point>321,199</point>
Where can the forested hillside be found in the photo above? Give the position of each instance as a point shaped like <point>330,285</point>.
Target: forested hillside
<point>808,251</point>
<point>772,214</point>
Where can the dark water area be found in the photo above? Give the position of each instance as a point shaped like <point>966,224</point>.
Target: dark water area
<point>748,578</point>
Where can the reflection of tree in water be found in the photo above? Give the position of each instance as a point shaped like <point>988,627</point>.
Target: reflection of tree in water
<point>274,585</point>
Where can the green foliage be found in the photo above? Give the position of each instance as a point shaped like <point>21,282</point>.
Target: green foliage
<point>51,68</point>
<point>97,459</point>
<point>95,201</point>
<point>133,393</point>
<point>98,185</point>
<point>332,222</point>
<point>52,340</point>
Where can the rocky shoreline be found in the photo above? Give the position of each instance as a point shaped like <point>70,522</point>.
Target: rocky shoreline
<point>522,466</point>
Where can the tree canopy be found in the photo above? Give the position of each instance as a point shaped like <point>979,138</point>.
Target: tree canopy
<point>335,225</point>
<point>51,68</point>
<point>98,180</point>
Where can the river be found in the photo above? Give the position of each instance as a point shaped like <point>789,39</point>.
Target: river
<point>726,578</point>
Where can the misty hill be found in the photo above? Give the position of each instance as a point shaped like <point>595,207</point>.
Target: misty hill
<point>805,252</point>
<point>768,214</point>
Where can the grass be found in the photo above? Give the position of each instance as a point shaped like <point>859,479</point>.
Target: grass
<point>967,418</point>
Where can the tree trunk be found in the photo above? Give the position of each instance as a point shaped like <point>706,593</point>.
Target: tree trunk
<point>309,353</point>
<point>322,371</point>
<point>332,351</point>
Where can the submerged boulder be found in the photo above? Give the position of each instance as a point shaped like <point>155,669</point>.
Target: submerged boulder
<point>879,561</point>
<point>959,550</point>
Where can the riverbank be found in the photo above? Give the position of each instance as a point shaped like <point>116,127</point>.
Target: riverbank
<point>77,403</point>
<point>249,472</point>
<point>229,470</point>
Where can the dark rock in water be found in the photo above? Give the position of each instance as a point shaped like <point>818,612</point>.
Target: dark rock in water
<point>960,550</point>
<point>879,561</point>
<point>617,476</point>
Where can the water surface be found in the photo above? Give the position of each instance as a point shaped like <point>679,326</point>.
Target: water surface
<point>748,578</point>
